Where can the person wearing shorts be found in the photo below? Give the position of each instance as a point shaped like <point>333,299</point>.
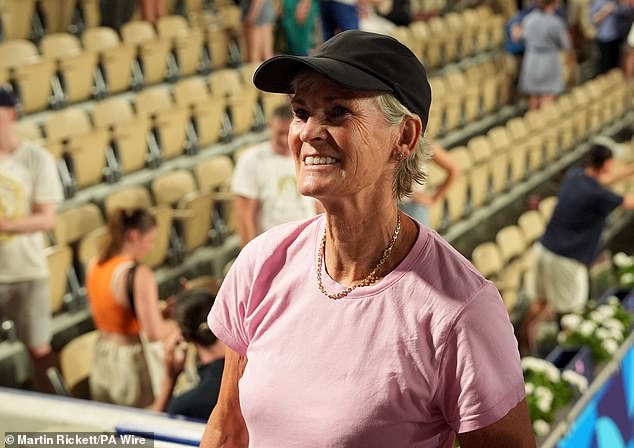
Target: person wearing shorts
<point>30,191</point>
<point>572,240</point>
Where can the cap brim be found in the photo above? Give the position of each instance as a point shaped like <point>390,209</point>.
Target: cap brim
<point>277,74</point>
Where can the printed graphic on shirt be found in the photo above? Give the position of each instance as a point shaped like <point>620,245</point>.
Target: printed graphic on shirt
<point>287,205</point>
<point>13,201</point>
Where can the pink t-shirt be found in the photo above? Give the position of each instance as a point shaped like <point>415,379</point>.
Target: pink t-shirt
<point>426,352</point>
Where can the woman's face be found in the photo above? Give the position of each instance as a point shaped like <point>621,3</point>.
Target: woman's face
<point>143,242</point>
<point>341,142</point>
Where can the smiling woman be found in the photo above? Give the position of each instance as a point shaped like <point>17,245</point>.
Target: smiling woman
<point>361,327</point>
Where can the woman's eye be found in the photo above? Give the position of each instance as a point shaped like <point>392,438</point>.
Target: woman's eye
<point>338,112</point>
<point>302,114</point>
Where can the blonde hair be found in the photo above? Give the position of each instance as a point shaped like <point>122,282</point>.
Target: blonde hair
<point>410,170</point>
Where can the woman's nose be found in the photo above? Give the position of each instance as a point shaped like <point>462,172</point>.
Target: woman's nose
<point>313,129</point>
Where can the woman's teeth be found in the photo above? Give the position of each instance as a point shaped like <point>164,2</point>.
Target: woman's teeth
<point>310,160</point>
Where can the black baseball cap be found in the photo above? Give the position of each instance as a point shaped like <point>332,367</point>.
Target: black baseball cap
<point>7,98</point>
<point>360,61</point>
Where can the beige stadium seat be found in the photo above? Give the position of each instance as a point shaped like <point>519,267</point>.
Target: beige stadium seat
<point>117,60</point>
<point>91,13</point>
<point>154,53</point>
<point>498,162</point>
<point>455,26</point>
<point>28,130</point>
<point>76,360</point>
<point>450,41</point>
<point>511,243</point>
<point>207,282</point>
<point>92,245</point>
<point>194,208</point>
<point>487,259</point>
<point>214,175</point>
<point>72,224</point>
<point>86,147</point>
<point>187,43</point>
<point>58,14</point>
<point>468,35</point>
<point>218,44</point>
<point>32,75</point>
<point>127,198</point>
<point>544,122</point>
<point>432,45</point>
<point>469,93</point>
<point>502,143</point>
<point>240,98</point>
<point>170,120</point>
<point>480,172</point>
<point>404,35</point>
<point>207,111</point>
<point>531,143</point>
<point>128,132</point>
<point>457,197</point>
<point>547,207</point>
<point>60,258</point>
<point>77,67</point>
<point>16,18</point>
<point>532,225</point>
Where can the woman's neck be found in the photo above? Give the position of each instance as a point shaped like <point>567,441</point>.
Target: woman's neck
<point>356,239</point>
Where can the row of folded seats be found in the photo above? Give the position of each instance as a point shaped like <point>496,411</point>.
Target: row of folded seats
<point>453,36</point>
<point>509,260</point>
<point>119,137</point>
<point>507,155</point>
<point>69,70</point>
<point>192,209</point>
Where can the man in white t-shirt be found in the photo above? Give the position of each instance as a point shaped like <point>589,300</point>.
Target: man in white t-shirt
<point>264,183</point>
<point>30,191</point>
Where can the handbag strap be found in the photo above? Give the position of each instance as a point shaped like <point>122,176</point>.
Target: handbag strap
<point>130,286</point>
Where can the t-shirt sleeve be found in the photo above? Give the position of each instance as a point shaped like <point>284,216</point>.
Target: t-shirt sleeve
<point>243,182</point>
<point>227,316</point>
<point>47,187</point>
<point>607,200</point>
<point>480,378</point>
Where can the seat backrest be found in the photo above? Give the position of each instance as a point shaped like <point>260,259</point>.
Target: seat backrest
<point>511,242</point>
<point>517,128</point>
<point>225,82</point>
<point>137,32</point>
<point>500,139</point>
<point>112,111</point>
<point>59,258</point>
<point>214,173</point>
<point>547,207</point>
<point>462,157</point>
<point>28,130</point>
<point>74,223</point>
<point>130,197</point>
<point>204,282</point>
<point>16,53</point>
<point>92,244</point>
<point>487,259</point>
<point>76,359</point>
<point>532,224</point>
<point>190,91</point>
<point>153,100</point>
<point>171,187</point>
<point>247,71</point>
<point>66,123</point>
<point>171,27</point>
<point>480,148</point>
<point>59,46</point>
<point>100,39</point>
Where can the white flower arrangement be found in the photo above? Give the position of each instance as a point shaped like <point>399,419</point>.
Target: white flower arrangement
<point>587,327</point>
<point>541,428</point>
<point>610,346</point>
<point>621,260</point>
<point>571,321</point>
<point>627,278</point>
<point>529,388</point>
<point>575,379</point>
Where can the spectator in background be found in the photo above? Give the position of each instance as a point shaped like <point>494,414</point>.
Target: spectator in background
<point>264,183</point>
<point>338,16</point>
<point>30,191</point>
<point>124,300</point>
<point>571,241</point>
<point>298,21</point>
<point>416,205</point>
<point>605,16</point>
<point>190,312</point>
<point>258,17</point>
<point>152,10</point>
<point>545,36</point>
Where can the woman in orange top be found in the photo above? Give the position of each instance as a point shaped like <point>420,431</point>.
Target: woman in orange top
<point>120,374</point>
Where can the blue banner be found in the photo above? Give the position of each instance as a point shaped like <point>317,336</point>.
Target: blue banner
<point>607,421</point>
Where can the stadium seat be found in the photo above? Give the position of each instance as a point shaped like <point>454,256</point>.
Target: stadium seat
<point>76,67</point>
<point>218,44</point>
<point>544,123</point>
<point>532,225</point>
<point>187,43</point>
<point>479,173</point>
<point>76,359</point>
<point>530,143</point>
<point>72,224</point>
<point>32,75</point>
<point>91,246</point>
<point>207,112</point>
<point>154,53</point>
<point>59,258</point>
<point>214,175</point>
<point>28,130</point>
<point>488,260</point>
<point>240,98</point>
<point>205,282</point>
<point>128,132</point>
<point>547,207</point>
<point>469,94</point>
<point>116,60</point>
<point>170,121</point>
<point>58,14</point>
<point>16,18</point>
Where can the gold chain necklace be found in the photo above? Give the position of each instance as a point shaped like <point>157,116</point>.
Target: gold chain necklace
<point>370,279</point>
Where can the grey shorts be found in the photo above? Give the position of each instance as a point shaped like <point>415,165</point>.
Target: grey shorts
<point>27,305</point>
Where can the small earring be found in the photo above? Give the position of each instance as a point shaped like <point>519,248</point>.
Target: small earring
<point>399,156</point>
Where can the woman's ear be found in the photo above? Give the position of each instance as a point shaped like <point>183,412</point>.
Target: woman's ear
<point>410,133</point>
